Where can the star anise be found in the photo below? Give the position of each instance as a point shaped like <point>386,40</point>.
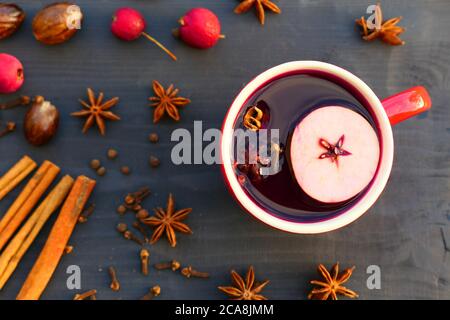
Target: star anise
<point>260,6</point>
<point>245,290</point>
<point>331,286</point>
<point>168,221</point>
<point>96,111</point>
<point>334,151</point>
<point>166,101</point>
<point>387,31</point>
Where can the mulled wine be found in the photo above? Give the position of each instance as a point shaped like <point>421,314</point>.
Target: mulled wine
<point>323,137</point>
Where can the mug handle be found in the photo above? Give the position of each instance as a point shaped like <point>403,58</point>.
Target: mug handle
<point>407,104</point>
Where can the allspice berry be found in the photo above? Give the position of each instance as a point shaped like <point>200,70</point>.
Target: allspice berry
<point>121,209</point>
<point>125,170</point>
<point>153,137</point>
<point>154,162</point>
<point>122,227</point>
<point>112,154</point>
<point>95,164</point>
<point>57,23</point>
<point>101,171</point>
<point>142,214</point>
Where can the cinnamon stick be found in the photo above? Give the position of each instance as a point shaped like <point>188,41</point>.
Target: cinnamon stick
<point>50,256</point>
<point>15,175</point>
<point>25,202</point>
<point>19,245</point>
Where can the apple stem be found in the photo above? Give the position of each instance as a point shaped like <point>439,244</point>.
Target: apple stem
<point>149,37</point>
<point>222,36</point>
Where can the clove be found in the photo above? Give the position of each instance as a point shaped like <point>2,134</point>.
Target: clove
<point>91,294</point>
<point>189,272</point>
<point>144,254</point>
<point>20,101</point>
<point>138,226</point>
<point>129,199</point>
<point>154,292</point>
<point>115,285</point>
<point>123,229</point>
<point>139,195</point>
<point>86,214</point>
<point>133,201</point>
<point>130,236</point>
<point>174,265</point>
<point>10,127</point>
<point>68,249</point>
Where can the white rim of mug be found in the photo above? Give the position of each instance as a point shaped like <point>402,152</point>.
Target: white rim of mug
<point>374,190</point>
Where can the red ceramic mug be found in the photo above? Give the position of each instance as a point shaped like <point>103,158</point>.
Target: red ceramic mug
<point>385,112</point>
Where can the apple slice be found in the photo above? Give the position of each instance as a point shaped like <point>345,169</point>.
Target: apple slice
<point>334,154</point>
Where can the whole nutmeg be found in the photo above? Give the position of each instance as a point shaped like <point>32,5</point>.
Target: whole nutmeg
<point>41,122</point>
<point>11,18</point>
<point>57,23</point>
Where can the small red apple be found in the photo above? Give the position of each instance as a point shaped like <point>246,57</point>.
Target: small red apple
<point>128,24</point>
<point>200,28</point>
<point>11,73</point>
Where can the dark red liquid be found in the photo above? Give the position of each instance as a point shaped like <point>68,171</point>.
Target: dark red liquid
<point>287,100</point>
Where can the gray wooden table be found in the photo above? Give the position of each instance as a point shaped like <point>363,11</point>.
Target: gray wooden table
<point>404,233</point>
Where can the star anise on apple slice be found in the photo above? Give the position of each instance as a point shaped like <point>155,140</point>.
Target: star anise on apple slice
<point>331,284</point>
<point>260,6</point>
<point>245,290</point>
<point>334,151</point>
<point>388,31</point>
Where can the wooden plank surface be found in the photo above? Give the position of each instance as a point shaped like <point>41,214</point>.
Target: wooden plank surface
<point>403,233</point>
